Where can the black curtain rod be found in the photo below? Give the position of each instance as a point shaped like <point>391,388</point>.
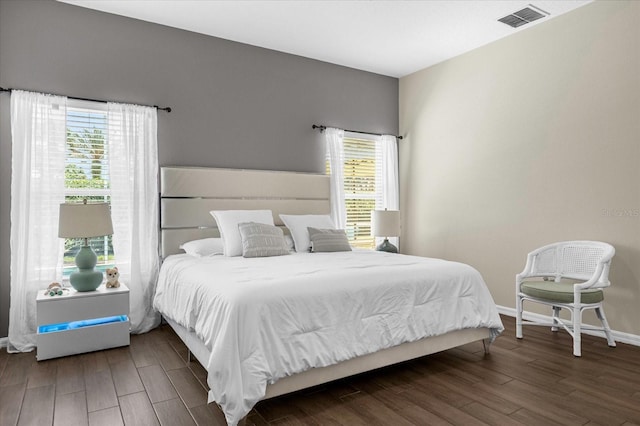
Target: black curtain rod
<point>322,128</point>
<point>168,109</point>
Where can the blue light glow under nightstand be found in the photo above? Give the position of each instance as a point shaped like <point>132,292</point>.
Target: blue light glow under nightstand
<point>63,326</point>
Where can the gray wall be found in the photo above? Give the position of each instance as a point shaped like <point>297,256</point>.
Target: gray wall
<point>234,105</point>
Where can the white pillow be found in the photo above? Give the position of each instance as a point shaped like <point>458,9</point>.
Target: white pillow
<point>298,225</point>
<point>228,221</point>
<point>204,247</point>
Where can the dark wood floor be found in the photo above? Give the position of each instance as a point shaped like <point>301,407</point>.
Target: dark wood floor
<point>536,381</point>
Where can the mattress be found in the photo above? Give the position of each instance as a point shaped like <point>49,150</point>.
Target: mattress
<point>263,319</point>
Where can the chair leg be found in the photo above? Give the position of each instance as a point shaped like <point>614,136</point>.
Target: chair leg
<point>518,316</point>
<point>577,329</point>
<point>605,326</point>
<point>556,315</point>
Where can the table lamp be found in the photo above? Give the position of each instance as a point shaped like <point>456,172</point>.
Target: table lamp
<point>385,223</point>
<point>85,221</point>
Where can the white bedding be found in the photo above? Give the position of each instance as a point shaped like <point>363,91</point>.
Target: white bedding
<point>267,318</point>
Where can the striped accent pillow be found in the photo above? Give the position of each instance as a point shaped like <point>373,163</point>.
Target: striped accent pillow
<point>325,240</point>
<point>262,240</point>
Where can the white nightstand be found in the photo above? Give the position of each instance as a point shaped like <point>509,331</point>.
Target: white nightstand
<point>78,322</point>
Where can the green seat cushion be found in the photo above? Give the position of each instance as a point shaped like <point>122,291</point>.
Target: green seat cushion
<point>559,292</point>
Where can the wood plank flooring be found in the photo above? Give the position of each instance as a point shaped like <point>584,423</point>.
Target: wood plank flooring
<point>536,381</point>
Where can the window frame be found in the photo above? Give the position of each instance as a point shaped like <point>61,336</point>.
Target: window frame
<point>356,238</point>
<point>101,193</point>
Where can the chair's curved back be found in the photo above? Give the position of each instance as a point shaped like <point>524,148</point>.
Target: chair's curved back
<point>577,260</point>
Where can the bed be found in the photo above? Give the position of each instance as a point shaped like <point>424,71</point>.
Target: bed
<point>268,326</point>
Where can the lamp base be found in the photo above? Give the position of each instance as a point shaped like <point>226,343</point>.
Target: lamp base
<point>387,246</point>
<point>87,278</point>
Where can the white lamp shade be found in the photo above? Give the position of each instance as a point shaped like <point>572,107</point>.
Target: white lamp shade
<point>385,223</point>
<point>84,220</point>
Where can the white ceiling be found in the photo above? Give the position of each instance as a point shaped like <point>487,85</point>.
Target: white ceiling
<point>394,38</point>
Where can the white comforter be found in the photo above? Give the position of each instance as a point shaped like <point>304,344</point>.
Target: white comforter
<point>267,318</point>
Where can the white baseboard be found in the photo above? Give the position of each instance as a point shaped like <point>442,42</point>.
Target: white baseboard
<point>618,336</point>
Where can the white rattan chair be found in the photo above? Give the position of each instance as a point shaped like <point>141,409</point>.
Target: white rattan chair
<point>570,275</point>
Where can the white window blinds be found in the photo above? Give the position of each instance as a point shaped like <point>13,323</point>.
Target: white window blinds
<point>363,188</point>
<point>87,155</point>
<point>87,172</point>
<point>362,192</point>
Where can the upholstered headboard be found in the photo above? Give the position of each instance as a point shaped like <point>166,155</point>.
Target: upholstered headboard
<point>187,194</point>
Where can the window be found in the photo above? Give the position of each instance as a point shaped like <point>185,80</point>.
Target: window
<point>362,187</point>
<point>87,172</point>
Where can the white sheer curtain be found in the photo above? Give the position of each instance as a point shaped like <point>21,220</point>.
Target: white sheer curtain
<point>335,149</point>
<point>38,130</point>
<point>133,148</point>
<point>387,176</point>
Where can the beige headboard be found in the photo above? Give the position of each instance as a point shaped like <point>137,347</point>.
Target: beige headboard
<point>187,194</point>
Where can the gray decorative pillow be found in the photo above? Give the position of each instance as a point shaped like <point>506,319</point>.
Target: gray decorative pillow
<point>262,240</point>
<point>323,240</point>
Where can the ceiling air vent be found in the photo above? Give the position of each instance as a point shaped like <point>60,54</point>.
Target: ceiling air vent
<point>524,16</point>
